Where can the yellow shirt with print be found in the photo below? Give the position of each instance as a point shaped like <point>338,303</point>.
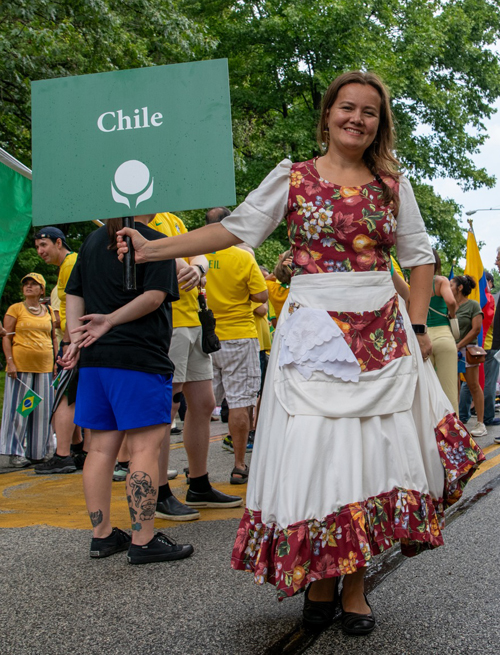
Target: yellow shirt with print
<point>184,310</point>
<point>233,276</point>
<point>62,280</point>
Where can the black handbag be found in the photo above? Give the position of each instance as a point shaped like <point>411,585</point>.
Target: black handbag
<point>209,340</point>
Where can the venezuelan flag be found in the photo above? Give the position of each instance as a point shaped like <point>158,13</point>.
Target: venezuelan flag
<point>474,268</point>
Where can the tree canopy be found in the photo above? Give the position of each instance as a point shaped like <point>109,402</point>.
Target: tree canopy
<point>436,56</point>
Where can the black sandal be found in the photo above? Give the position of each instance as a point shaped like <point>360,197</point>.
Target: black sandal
<point>357,625</point>
<point>318,614</point>
<point>240,472</point>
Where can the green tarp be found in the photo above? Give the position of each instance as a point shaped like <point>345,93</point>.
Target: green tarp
<point>15,211</point>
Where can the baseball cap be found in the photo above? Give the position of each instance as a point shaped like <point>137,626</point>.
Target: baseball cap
<point>37,277</point>
<point>489,277</point>
<point>52,233</point>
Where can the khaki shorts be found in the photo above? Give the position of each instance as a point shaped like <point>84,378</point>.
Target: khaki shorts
<point>237,372</point>
<point>191,363</point>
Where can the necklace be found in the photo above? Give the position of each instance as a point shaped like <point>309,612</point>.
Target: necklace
<point>34,310</point>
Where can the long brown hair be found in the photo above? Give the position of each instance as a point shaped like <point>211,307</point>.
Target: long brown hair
<point>112,226</point>
<point>378,157</point>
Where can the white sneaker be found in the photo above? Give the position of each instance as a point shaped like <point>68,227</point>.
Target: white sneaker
<point>479,430</point>
<point>172,474</point>
<point>19,462</point>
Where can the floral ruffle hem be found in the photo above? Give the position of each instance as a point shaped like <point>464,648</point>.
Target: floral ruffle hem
<point>348,539</point>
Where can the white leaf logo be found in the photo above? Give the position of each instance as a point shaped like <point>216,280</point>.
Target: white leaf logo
<point>117,197</point>
<point>132,184</point>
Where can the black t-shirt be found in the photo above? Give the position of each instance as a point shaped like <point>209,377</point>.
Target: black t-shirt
<point>97,277</point>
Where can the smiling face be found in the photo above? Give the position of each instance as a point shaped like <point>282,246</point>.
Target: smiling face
<point>354,118</point>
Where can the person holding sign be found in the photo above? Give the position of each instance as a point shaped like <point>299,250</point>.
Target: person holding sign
<point>30,346</point>
<point>357,447</point>
<point>124,387</point>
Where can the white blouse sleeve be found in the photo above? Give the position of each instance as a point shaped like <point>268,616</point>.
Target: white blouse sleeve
<point>263,209</point>
<point>412,243</point>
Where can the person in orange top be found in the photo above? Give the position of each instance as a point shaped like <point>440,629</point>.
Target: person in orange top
<point>30,347</point>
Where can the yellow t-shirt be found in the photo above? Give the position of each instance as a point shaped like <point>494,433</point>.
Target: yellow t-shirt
<point>55,303</point>
<point>234,275</point>
<point>62,280</point>
<point>32,348</point>
<point>277,295</point>
<point>262,326</point>
<point>184,310</point>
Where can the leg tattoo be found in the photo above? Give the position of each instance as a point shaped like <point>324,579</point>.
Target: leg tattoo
<point>96,518</point>
<point>142,499</point>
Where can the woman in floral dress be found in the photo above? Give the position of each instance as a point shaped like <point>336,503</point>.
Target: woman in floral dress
<point>357,447</point>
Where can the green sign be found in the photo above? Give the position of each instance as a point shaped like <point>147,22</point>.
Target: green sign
<point>132,142</point>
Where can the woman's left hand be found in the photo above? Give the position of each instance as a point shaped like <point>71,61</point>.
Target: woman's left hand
<point>70,358</point>
<point>189,277</point>
<point>97,326</point>
<point>425,345</point>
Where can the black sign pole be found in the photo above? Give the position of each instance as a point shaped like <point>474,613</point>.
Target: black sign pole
<point>129,281</point>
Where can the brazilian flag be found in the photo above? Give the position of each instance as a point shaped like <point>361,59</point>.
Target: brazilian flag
<point>28,403</point>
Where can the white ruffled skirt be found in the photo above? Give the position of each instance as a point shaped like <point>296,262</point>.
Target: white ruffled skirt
<point>341,470</point>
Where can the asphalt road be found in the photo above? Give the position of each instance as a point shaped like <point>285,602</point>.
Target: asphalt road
<point>55,600</point>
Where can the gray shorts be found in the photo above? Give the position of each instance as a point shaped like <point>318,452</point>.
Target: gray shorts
<point>237,372</point>
<point>191,363</point>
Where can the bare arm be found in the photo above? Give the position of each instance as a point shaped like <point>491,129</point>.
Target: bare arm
<point>261,310</point>
<point>10,326</point>
<point>444,290</point>
<point>420,295</point>
<point>189,275</point>
<point>477,323</point>
<point>208,238</point>
<point>401,287</point>
<point>259,297</point>
<point>100,324</point>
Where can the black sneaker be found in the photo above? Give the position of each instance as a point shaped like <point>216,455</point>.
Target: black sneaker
<point>56,464</point>
<point>114,543</point>
<point>79,459</point>
<point>159,549</point>
<point>174,510</point>
<point>212,498</point>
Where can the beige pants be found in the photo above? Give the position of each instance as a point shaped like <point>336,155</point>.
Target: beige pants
<point>444,360</point>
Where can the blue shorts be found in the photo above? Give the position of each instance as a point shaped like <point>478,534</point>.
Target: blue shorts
<point>119,399</point>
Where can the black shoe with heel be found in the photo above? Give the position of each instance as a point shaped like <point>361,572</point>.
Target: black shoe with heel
<point>357,625</point>
<point>318,614</point>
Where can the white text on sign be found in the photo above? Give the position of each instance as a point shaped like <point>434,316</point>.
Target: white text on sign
<point>116,120</point>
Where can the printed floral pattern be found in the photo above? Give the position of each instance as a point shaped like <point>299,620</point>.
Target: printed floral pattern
<point>376,338</point>
<point>347,540</point>
<point>333,228</point>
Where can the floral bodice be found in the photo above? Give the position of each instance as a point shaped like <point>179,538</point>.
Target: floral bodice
<point>335,228</point>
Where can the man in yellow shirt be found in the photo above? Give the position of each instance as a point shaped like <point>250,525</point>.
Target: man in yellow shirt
<point>193,377</point>
<point>52,247</point>
<point>234,281</point>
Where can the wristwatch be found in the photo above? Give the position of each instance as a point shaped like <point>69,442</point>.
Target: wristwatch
<point>202,270</point>
<point>419,328</point>
<point>65,343</point>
